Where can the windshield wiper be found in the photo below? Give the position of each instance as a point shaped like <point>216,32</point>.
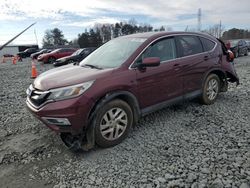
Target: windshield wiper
<point>92,66</point>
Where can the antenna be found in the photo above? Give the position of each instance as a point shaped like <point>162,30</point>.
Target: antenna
<point>199,20</point>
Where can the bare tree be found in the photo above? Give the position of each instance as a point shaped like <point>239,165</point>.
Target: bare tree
<point>215,30</point>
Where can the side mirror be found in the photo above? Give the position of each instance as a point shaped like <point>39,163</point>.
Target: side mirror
<point>151,62</point>
<point>230,56</point>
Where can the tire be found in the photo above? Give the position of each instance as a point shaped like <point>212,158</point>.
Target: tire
<point>70,61</point>
<point>107,133</point>
<point>210,90</point>
<point>246,54</point>
<point>51,60</point>
<point>236,54</point>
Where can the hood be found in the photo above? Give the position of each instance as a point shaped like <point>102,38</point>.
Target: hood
<point>68,75</point>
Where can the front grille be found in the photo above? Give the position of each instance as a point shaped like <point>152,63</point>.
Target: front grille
<point>37,97</point>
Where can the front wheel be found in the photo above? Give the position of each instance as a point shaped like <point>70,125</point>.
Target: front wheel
<point>210,89</point>
<point>51,60</point>
<point>246,54</point>
<point>112,123</point>
<point>70,61</point>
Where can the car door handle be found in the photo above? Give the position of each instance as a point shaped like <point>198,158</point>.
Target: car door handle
<point>206,58</point>
<point>176,66</point>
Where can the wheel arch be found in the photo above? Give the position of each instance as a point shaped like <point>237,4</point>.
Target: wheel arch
<point>126,96</point>
<point>222,76</point>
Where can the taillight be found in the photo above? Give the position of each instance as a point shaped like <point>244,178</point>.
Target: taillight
<point>230,56</point>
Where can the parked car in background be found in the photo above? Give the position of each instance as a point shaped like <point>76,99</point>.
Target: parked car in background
<point>238,47</point>
<point>248,45</point>
<point>56,54</point>
<point>100,99</point>
<point>27,52</point>
<point>77,56</point>
<point>36,54</point>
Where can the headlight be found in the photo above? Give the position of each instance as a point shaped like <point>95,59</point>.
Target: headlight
<point>69,92</point>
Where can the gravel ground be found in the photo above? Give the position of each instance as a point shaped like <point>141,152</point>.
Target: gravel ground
<point>186,145</point>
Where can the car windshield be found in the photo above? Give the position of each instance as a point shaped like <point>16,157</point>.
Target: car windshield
<point>113,53</point>
<point>77,52</point>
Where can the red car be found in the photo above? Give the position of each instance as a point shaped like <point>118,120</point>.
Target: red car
<point>56,54</point>
<point>128,77</point>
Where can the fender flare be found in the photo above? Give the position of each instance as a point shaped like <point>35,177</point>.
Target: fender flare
<point>116,94</point>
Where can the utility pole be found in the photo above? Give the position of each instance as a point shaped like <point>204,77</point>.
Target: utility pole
<point>220,30</point>
<point>199,20</point>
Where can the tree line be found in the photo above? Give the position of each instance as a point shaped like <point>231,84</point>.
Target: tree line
<point>101,33</point>
<point>235,33</point>
<point>98,35</point>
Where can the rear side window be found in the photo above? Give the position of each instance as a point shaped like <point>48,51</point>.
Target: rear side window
<point>208,45</point>
<point>189,45</point>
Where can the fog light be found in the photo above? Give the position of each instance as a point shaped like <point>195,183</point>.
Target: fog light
<point>56,121</point>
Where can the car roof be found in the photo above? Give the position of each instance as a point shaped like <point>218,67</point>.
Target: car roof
<point>149,35</point>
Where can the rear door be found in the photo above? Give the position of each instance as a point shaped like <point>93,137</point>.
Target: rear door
<point>161,83</point>
<point>193,62</point>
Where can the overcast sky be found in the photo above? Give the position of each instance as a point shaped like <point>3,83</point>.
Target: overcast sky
<point>74,16</point>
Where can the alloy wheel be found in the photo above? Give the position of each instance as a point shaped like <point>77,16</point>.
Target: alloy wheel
<point>212,89</point>
<point>113,123</point>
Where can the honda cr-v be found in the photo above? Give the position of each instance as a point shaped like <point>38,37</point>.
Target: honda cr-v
<point>97,101</point>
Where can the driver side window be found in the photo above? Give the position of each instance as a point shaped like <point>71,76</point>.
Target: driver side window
<point>164,49</point>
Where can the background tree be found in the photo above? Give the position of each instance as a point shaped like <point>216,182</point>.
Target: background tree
<point>235,33</point>
<point>90,39</point>
<point>216,30</point>
<point>53,38</point>
<point>102,33</point>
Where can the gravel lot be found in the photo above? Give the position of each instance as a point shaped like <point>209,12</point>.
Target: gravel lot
<point>186,145</point>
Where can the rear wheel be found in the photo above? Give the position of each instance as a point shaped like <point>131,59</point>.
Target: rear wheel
<point>210,89</point>
<point>112,123</point>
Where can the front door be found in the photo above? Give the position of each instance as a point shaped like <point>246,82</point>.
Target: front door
<point>161,83</point>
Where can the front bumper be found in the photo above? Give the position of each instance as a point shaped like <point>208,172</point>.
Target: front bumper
<point>75,110</point>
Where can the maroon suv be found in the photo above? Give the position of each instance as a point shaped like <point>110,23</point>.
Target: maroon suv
<point>100,99</point>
